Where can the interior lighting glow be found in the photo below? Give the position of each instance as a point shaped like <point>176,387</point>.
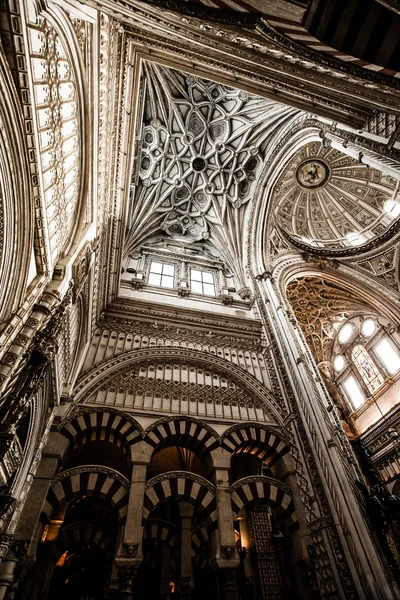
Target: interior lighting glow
<point>392,208</point>
<point>338,363</point>
<point>368,327</point>
<point>355,238</point>
<point>388,355</point>
<point>354,392</point>
<point>345,333</point>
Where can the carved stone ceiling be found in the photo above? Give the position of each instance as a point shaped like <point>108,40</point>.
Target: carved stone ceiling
<point>320,306</point>
<point>203,146</point>
<point>328,199</point>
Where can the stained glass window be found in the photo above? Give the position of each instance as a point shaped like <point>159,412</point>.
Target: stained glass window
<point>367,368</point>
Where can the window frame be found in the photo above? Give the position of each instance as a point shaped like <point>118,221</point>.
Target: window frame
<point>163,263</point>
<point>202,270</point>
<point>351,369</point>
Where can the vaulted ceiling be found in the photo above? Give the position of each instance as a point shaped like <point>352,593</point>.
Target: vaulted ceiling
<point>331,200</point>
<point>320,305</point>
<point>203,148</point>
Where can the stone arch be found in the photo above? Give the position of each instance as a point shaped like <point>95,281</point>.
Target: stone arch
<point>183,486</point>
<point>103,373</point>
<point>256,439</point>
<point>261,224</point>
<point>191,433</point>
<point>91,424</point>
<point>87,481</point>
<point>277,495</point>
<point>200,538</point>
<point>89,532</point>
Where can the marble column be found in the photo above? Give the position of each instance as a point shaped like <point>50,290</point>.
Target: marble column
<point>130,555</point>
<point>185,585</point>
<point>29,528</point>
<point>224,557</point>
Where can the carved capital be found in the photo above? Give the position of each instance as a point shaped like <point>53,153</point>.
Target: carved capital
<point>6,541</point>
<point>228,552</point>
<point>130,550</point>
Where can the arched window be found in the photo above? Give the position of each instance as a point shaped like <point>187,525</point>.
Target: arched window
<point>368,370</point>
<point>365,357</point>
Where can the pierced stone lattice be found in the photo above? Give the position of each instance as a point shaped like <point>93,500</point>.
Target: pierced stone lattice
<point>180,389</point>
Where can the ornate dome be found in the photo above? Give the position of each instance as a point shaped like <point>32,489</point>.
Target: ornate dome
<point>326,198</point>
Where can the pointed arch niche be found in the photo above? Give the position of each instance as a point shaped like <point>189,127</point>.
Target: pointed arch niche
<point>353,340</point>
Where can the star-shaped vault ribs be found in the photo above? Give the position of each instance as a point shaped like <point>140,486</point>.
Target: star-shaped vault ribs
<point>203,146</point>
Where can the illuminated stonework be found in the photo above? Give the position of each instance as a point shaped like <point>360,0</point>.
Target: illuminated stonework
<point>327,199</point>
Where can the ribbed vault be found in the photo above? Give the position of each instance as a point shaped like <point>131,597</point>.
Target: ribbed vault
<point>203,147</point>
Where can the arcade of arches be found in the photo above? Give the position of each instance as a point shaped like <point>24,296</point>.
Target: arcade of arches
<point>199,300</point>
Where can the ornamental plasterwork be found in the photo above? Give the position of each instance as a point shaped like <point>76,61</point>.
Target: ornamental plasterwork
<point>57,107</point>
<point>327,199</point>
<point>320,306</point>
<point>384,266</point>
<point>203,145</point>
<point>180,389</point>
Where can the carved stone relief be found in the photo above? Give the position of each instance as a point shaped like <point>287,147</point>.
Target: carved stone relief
<point>320,305</point>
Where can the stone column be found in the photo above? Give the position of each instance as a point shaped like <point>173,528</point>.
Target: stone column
<point>185,585</point>
<point>224,558</point>
<point>5,542</point>
<point>334,475</point>
<point>29,528</point>
<point>130,553</point>
<point>7,569</point>
<point>245,539</point>
<point>164,585</point>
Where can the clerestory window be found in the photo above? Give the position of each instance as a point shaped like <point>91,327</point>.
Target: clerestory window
<point>162,274</point>
<point>202,282</point>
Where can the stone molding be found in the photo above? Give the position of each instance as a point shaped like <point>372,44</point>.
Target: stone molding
<point>92,469</point>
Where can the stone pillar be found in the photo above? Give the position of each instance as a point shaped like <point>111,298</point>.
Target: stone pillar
<point>126,575</point>
<point>164,585</point>
<point>132,542</point>
<point>5,542</point>
<point>7,569</point>
<point>185,585</point>
<point>334,475</point>
<point>224,558</point>
<point>130,553</point>
<point>29,528</point>
<point>228,586</point>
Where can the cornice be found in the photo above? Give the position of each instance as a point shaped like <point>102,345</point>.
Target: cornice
<point>158,316</point>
